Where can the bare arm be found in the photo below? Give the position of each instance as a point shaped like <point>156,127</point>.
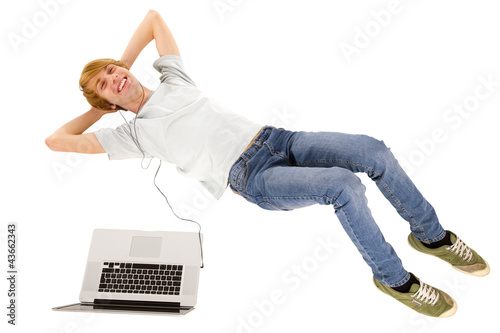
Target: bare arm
<point>152,27</point>
<point>69,137</point>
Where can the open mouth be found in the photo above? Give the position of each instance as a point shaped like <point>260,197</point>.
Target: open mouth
<point>122,84</point>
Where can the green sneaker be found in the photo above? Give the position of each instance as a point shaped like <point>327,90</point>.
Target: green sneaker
<point>459,255</point>
<point>423,298</point>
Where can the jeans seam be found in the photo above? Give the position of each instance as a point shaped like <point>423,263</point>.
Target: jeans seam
<point>270,204</point>
<point>277,153</point>
<point>335,160</point>
<point>357,239</point>
<point>438,238</point>
<point>400,283</point>
<point>238,179</point>
<point>289,197</point>
<point>398,203</point>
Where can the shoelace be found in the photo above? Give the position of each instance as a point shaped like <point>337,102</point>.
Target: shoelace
<point>426,294</point>
<point>461,249</point>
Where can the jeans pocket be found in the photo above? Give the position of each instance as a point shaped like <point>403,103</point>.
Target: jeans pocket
<point>238,176</point>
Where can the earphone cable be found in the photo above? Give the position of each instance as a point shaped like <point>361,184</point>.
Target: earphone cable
<point>136,141</point>
<point>180,218</point>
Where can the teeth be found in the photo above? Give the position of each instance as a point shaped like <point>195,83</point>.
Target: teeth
<point>122,84</point>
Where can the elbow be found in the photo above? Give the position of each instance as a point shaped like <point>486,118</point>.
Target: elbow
<point>153,15</point>
<point>153,12</point>
<point>51,142</point>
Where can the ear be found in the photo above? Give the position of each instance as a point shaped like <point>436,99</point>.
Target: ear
<point>112,106</point>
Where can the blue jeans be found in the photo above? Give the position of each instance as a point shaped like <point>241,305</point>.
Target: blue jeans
<point>284,170</point>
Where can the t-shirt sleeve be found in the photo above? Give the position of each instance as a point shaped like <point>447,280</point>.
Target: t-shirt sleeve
<point>172,70</point>
<point>118,143</point>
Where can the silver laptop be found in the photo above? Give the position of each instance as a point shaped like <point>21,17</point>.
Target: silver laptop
<point>140,272</point>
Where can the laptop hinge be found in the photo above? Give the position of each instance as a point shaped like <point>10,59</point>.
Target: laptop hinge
<point>112,304</point>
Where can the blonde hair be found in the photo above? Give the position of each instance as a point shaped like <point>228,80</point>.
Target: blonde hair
<point>89,90</point>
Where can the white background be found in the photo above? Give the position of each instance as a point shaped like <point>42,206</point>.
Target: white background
<point>276,62</point>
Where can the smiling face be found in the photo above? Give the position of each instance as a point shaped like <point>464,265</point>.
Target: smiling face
<point>107,84</point>
<point>118,86</point>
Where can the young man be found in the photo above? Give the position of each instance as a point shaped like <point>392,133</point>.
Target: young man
<point>273,168</point>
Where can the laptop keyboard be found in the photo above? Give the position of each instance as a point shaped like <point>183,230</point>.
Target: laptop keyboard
<point>139,278</point>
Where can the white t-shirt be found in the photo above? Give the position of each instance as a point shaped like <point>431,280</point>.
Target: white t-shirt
<point>183,126</point>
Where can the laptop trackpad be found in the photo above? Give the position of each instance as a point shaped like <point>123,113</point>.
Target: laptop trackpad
<point>145,246</point>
